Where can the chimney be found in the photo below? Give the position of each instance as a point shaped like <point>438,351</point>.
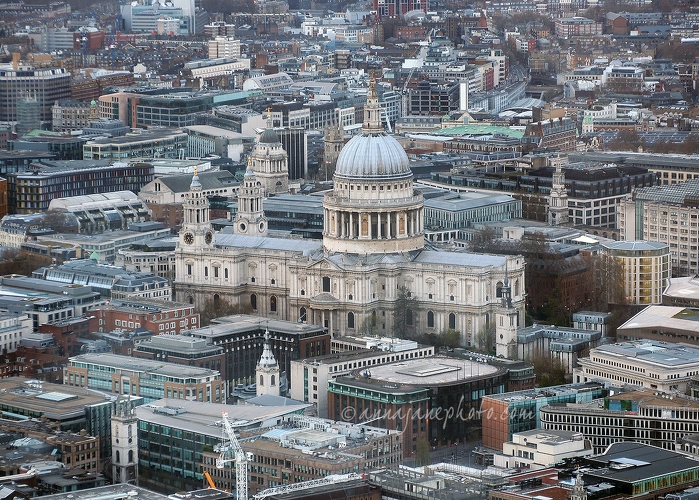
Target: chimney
<point>15,60</point>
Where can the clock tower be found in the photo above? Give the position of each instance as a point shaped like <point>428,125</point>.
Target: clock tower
<point>196,228</point>
<point>250,218</point>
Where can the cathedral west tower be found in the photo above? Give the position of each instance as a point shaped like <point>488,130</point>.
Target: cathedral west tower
<point>271,163</point>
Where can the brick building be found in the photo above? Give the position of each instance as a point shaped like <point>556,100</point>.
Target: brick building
<point>157,316</point>
<point>66,332</point>
<point>77,450</point>
<point>575,26</point>
<point>91,85</point>
<point>558,134</point>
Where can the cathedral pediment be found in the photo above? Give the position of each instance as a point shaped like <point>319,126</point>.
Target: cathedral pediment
<point>324,264</point>
<point>324,299</point>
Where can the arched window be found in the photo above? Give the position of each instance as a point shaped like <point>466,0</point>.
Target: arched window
<point>217,300</point>
<point>131,456</point>
<point>326,284</point>
<point>206,271</point>
<point>452,321</point>
<point>191,299</point>
<point>430,319</point>
<point>498,289</point>
<point>225,273</point>
<point>272,381</point>
<point>350,320</point>
<point>262,380</point>
<point>409,317</point>
<point>302,315</point>
<point>189,269</point>
<point>516,288</point>
<point>273,303</point>
<point>118,457</point>
<point>253,301</point>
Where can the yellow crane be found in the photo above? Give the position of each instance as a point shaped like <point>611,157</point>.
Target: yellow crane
<point>210,481</point>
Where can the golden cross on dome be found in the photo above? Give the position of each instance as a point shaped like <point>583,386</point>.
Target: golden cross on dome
<point>269,112</point>
<point>195,170</point>
<point>249,161</point>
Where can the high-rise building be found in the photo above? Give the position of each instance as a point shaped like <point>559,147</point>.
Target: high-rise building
<point>295,142</point>
<point>47,85</point>
<point>28,115</point>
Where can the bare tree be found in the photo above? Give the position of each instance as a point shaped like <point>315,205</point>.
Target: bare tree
<point>484,241</point>
<point>405,313</point>
<point>606,274</point>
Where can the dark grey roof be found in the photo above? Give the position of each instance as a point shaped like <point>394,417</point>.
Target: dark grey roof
<point>629,462</point>
<point>208,180</point>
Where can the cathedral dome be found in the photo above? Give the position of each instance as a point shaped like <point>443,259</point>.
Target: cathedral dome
<point>373,156</point>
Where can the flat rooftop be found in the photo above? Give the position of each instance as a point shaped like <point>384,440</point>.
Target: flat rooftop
<point>112,492</point>
<point>649,397</point>
<point>205,418</point>
<point>55,401</point>
<point>240,323</point>
<point>547,392</point>
<point>665,317</point>
<point>629,462</point>
<point>683,288</point>
<point>551,437</point>
<point>436,370</point>
<point>129,364</point>
<point>664,354</point>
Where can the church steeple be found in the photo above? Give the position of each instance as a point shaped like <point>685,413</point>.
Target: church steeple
<point>579,492</point>
<point>267,372</point>
<point>506,323</point>
<point>124,427</point>
<point>558,199</point>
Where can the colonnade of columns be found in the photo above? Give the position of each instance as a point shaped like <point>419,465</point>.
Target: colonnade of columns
<point>374,225</point>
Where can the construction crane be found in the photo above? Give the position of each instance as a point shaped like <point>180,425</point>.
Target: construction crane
<point>231,451</point>
<point>313,483</point>
<point>209,481</point>
<point>421,45</point>
<point>388,121</point>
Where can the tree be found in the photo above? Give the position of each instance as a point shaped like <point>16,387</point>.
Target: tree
<point>405,313</point>
<point>369,324</point>
<point>549,371</point>
<point>58,220</point>
<point>422,452</point>
<point>606,275</point>
<point>484,241</point>
<point>450,338</point>
<point>14,261</point>
<point>626,140</point>
<point>485,340</point>
<point>216,307</point>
